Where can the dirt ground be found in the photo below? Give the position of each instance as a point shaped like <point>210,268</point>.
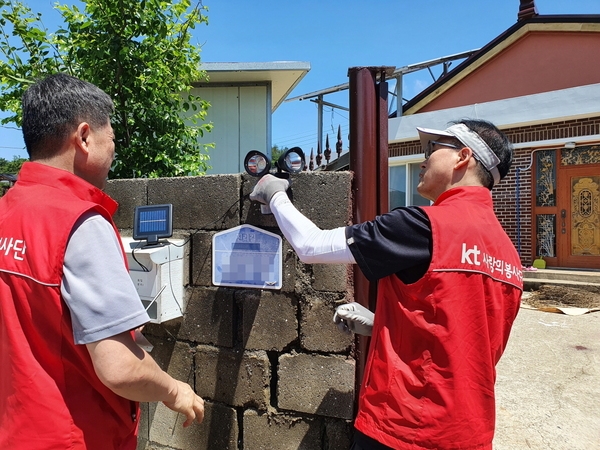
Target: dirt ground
<point>548,383</point>
<point>559,296</point>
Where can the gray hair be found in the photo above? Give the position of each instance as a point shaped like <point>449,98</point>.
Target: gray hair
<point>54,106</point>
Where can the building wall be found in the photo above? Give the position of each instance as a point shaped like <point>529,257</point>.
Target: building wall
<point>272,367</point>
<point>540,61</point>
<point>512,205</point>
<point>241,121</point>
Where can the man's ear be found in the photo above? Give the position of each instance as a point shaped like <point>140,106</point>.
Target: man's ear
<point>82,136</point>
<point>464,156</point>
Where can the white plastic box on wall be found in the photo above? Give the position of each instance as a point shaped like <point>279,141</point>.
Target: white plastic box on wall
<point>157,273</point>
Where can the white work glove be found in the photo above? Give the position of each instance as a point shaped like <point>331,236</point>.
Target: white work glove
<point>267,187</point>
<point>354,317</point>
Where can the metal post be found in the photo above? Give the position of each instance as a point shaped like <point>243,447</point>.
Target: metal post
<point>399,94</point>
<point>320,125</point>
<point>369,162</point>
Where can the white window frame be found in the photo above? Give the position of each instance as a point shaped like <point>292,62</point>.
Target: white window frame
<point>395,161</point>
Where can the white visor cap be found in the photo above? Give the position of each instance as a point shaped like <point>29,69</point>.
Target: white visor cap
<point>481,151</point>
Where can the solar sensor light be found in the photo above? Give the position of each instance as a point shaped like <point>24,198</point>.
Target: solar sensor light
<point>153,222</point>
<point>155,263</point>
<point>258,165</point>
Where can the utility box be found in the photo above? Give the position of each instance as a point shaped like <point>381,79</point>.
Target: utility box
<point>157,273</point>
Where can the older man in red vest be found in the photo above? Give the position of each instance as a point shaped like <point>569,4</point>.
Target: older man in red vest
<point>71,373</point>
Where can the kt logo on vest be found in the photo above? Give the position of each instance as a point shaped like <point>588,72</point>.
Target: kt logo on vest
<point>489,264</point>
<point>466,255</point>
<point>15,246</point>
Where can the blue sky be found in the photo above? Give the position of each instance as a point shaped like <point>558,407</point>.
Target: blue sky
<point>334,35</point>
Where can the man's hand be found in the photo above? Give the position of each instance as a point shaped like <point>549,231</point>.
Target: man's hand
<point>188,403</point>
<point>353,317</point>
<point>267,187</point>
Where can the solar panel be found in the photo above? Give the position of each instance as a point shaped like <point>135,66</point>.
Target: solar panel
<point>152,222</point>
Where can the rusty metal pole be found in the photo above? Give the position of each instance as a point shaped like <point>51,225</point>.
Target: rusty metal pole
<point>368,92</point>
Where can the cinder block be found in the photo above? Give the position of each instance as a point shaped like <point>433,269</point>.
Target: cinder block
<point>219,430</point>
<point>338,434</point>
<point>163,347</point>
<point>151,446</point>
<point>208,202</point>
<point>164,332</point>
<point>304,278</point>
<point>318,333</point>
<point>316,384</point>
<point>281,432</point>
<point>288,266</point>
<point>201,267</point>
<point>251,213</point>
<point>208,318</point>
<point>232,376</point>
<point>129,194</point>
<point>268,319</point>
<point>179,363</point>
<point>331,277</point>
<point>324,197</point>
<point>175,358</point>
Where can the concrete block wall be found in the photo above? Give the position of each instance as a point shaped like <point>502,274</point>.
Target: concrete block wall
<point>274,371</point>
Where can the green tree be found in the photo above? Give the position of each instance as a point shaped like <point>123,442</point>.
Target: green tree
<point>276,152</point>
<point>139,52</point>
<point>11,167</point>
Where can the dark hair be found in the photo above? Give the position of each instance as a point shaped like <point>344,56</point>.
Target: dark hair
<point>497,141</point>
<point>54,106</point>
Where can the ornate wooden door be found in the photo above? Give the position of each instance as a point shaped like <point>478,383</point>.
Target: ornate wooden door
<point>579,231</point>
<point>566,209</point>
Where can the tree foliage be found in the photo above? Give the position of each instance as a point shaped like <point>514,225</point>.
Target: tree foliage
<point>11,167</point>
<point>140,53</point>
<point>276,152</point>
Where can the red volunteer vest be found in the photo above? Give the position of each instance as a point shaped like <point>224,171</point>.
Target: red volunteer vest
<point>50,396</point>
<point>430,374</point>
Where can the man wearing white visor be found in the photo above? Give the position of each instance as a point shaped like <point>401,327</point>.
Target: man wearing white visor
<point>449,287</point>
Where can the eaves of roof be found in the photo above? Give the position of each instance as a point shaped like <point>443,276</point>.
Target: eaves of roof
<point>588,22</point>
<point>8,177</point>
<point>561,105</point>
<point>283,76</point>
